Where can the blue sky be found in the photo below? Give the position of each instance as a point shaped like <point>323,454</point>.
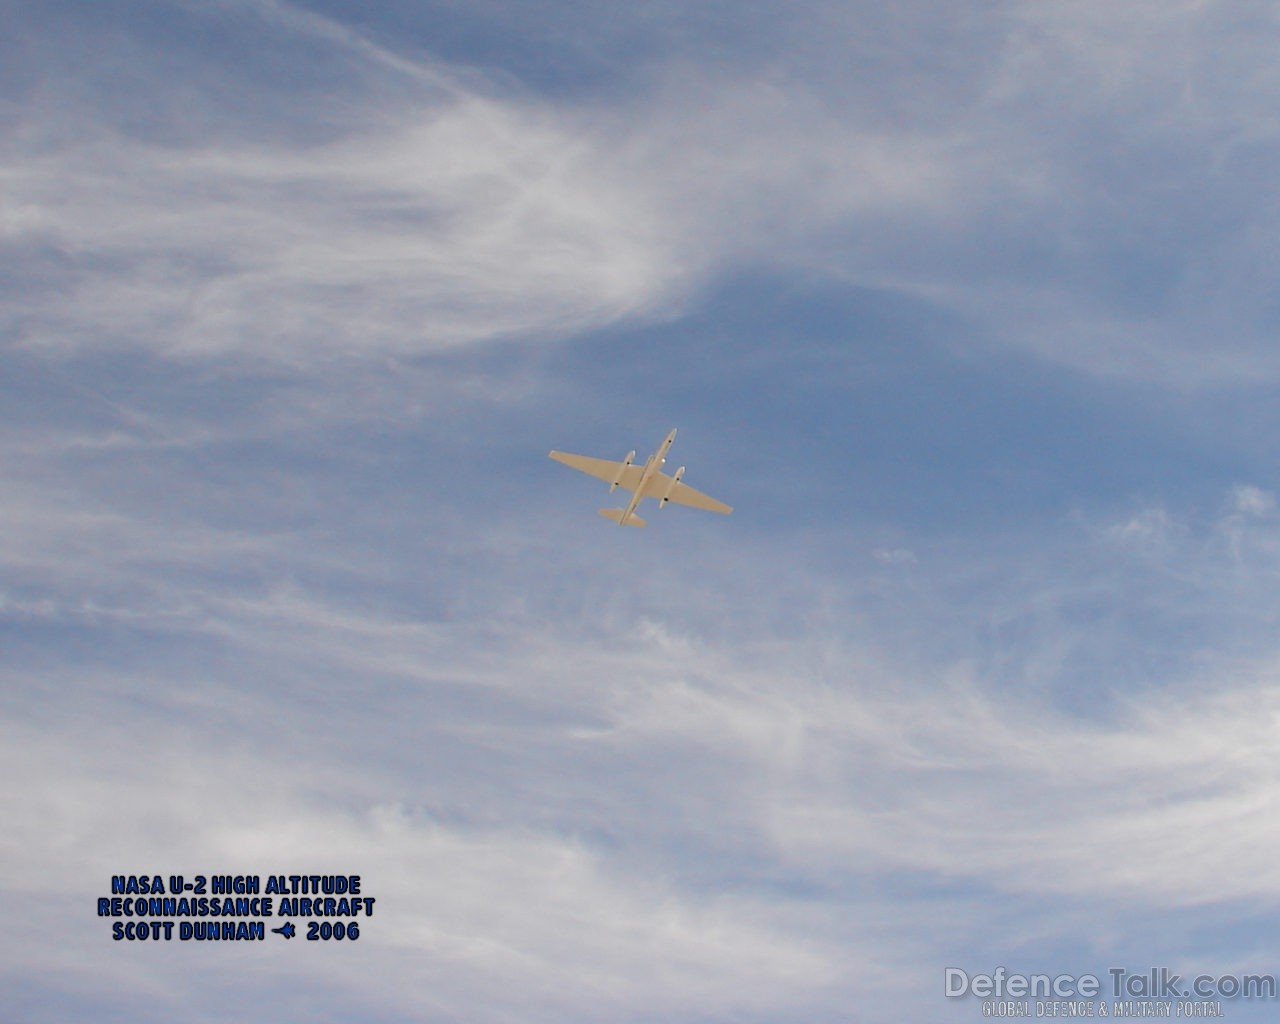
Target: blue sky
<point>970,314</point>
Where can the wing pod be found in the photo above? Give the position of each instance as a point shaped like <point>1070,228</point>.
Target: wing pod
<point>666,495</point>
<point>622,469</point>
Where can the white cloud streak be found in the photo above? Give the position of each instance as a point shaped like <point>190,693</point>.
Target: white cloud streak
<point>476,222</point>
<point>457,213</point>
<point>502,919</point>
<point>551,806</point>
<point>449,218</point>
<point>656,804</point>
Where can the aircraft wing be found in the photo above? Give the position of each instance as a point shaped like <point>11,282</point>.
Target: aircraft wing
<point>602,469</point>
<point>683,494</point>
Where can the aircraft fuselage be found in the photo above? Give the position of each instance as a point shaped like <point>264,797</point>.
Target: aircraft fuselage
<point>652,466</point>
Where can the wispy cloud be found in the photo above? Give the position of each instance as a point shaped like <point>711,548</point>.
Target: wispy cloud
<point>556,924</point>
<point>549,811</point>
<point>280,593</point>
<point>430,210</point>
<point>476,222</point>
<point>449,216</point>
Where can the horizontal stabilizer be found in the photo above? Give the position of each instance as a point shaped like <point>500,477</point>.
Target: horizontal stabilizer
<point>616,515</point>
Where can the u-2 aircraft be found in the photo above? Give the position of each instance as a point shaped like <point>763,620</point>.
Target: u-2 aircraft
<point>647,481</point>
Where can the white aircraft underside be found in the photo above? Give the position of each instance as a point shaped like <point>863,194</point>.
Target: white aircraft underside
<point>647,481</point>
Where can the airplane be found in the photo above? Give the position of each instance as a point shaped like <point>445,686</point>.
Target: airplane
<point>647,481</point>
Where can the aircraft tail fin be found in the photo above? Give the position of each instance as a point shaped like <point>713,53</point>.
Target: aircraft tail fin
<point>616,515</point>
